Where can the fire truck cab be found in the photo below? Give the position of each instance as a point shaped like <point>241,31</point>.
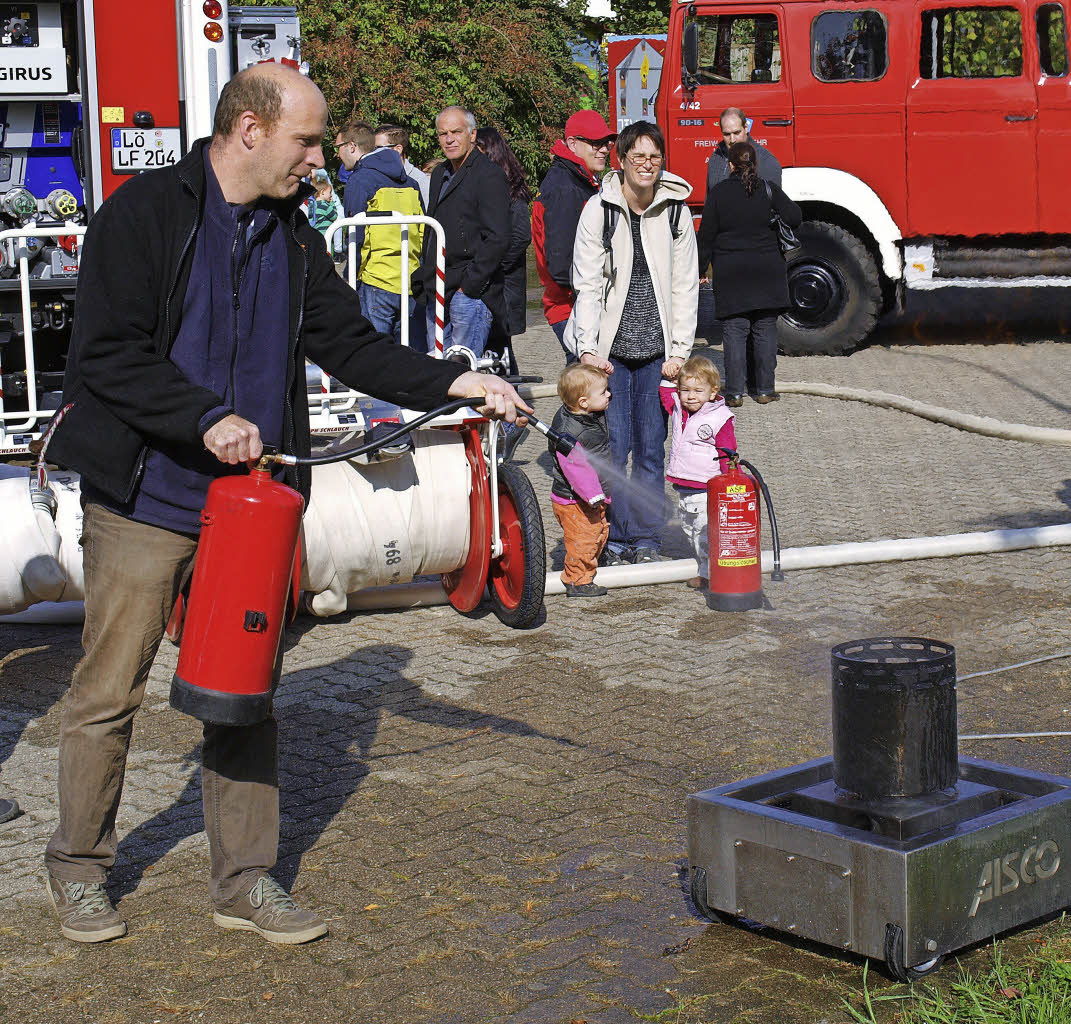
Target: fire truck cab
<point>91,93</point>
<point>927,142</point>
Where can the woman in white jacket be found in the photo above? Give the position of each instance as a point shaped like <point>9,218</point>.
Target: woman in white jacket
<point>637,290</point>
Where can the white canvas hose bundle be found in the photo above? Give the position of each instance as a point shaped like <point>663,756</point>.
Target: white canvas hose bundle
<point>40,558</point>
<point>366,526</point>
<point>383,523</point>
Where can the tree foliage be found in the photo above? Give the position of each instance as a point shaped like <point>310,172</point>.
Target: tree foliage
<point>404,60</point>
<point>640,17</point>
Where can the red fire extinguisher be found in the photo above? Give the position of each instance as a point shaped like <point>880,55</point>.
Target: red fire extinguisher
<point>734,537</point>
<point>247,566</point>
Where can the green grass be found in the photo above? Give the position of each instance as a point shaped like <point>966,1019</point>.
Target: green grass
<point>1035,989</point>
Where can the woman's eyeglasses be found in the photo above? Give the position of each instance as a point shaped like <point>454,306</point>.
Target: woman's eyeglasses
<point>641,161</point>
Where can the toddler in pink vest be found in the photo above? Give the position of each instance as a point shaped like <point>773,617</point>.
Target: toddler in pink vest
<point>700,423</point>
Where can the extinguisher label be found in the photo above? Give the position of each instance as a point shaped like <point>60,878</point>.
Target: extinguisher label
<point>736,489</point>
<point>738,540</point>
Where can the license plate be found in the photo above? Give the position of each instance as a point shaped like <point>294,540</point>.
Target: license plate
<point>141,149</point>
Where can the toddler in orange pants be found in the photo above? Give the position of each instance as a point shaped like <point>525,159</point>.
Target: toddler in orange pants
<point>585,396</point>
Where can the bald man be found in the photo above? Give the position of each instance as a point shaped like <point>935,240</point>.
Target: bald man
<point>203,289</point>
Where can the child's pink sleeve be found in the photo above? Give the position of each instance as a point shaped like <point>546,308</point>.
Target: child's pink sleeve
<point>666,393</point>
<point>726,439</point>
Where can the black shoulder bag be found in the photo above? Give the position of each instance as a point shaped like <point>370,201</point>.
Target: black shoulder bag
<point>787,240</point>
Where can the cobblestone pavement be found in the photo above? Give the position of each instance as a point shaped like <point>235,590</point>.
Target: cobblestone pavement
<point>492,820</point>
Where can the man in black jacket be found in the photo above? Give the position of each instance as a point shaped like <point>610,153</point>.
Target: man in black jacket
<point>202,289</point>
<point>470,198</point>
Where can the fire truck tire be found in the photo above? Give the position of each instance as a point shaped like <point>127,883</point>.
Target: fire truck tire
<point>836,294</point>
<point>894,958</point>
<point>517,578</point>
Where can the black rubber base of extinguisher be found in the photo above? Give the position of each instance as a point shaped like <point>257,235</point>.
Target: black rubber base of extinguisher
<point>217,707</point>
<point>734,602</point>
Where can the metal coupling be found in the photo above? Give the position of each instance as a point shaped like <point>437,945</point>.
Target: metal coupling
<point>42,497</point>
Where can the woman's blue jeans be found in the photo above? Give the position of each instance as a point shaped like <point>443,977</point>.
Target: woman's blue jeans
<point>637,426</point>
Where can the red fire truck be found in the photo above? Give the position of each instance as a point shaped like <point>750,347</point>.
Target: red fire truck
<point>91,92</point>
<point>927,141</point>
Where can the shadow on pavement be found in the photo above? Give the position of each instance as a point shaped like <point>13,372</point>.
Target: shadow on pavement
<point>1028,519</point>
<point>36,663</point>
<point>326,742</point>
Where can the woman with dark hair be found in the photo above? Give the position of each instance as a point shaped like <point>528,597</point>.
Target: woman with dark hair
<point>634,318</point>
<point>514,264</point>
<point>750,277</point>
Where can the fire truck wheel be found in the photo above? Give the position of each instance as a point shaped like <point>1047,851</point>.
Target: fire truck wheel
<point>894,958</point>
<point>836,295</point>
<point>518,577</point>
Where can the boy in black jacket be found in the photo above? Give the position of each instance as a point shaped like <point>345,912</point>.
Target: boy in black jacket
<point>584,396</point>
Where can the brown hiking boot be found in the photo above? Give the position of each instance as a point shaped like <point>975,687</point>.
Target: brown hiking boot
<point>85,912</point>
<point>268,910</point>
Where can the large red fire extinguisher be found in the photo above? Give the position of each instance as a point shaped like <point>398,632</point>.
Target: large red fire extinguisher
<point>247,566</point>
<point>733,535</point>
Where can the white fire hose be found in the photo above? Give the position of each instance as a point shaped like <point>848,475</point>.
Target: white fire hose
<point>28,561</point>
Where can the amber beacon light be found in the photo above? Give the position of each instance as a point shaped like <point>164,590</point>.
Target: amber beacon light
<point>213,29</point>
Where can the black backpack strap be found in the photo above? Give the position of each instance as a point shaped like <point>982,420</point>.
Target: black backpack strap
<point>610,217</point>
<point>675,218</point>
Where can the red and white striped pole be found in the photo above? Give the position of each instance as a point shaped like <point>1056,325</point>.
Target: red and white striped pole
<point>440,292</point>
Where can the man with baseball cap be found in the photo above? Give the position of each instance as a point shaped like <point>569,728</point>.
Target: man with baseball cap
<point>579,160</point>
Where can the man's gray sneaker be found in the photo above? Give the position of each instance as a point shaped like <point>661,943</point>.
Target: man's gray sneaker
<point>85,912</point>
<point>268,910</point>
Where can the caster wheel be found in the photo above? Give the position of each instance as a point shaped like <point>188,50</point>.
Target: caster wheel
<point>894,958</point>
<point>699,898</point>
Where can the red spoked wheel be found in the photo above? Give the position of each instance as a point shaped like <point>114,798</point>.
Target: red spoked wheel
<point>464,587</point>
<point>518,577</point>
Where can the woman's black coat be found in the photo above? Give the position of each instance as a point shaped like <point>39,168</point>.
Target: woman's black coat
<point>515,268</point>
<point>735,234</point>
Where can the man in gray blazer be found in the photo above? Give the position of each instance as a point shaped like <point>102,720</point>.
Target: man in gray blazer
<point>734,129</point>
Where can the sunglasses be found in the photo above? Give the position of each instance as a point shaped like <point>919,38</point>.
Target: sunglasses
<point>598,143</point>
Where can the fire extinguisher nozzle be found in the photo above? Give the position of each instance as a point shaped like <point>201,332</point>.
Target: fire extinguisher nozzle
<point>266,461</point>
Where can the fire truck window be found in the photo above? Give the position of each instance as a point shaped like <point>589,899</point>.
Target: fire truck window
<point>738,48</point>
<point>1052,40</point>
<point>971,42</point>
<point>849,46</point>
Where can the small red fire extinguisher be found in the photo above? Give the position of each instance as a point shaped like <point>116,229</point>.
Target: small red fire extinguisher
<point>733,535</point>
<point>248,565</point>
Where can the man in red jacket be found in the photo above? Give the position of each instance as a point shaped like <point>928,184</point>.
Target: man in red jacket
<point>579,160</point>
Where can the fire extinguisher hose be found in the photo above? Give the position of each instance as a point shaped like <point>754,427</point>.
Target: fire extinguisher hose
<point>777,575</point>
<point>342,454</point>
